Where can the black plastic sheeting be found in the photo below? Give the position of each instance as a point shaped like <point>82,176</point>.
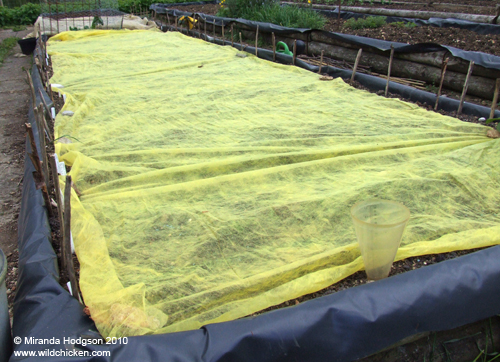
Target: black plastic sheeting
<point>479,28</point>
<point>343,326</point>
<point>480,59</point>
<point>369,81</point>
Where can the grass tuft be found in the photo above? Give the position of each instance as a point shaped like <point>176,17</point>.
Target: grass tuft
<point>370,22</point>
<point>6,47</point>
<point>271,12</point>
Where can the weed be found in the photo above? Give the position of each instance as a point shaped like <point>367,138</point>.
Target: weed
<point>370,22</point>
<point>269,11</point>
<point>402,24</point>
<point>491,120</point>
<point>6,46</point>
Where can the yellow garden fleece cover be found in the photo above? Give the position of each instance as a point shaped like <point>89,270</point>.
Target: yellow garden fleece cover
<point>215,184</point>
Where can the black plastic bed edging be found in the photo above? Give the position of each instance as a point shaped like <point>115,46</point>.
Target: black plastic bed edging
<point>479,28</point>
<point>371,82</point>
<point>343,326</point>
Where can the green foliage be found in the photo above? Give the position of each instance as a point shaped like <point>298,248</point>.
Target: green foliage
<point>6,46</point>
<point>22,15</point>
<point>130,6</point>
<point>402,24</point>
<point>271,12</point>
<point>491,120</point>
<point>370,22</point>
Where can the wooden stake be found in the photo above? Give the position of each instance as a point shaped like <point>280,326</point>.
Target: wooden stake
<point>232,42</point>
<point>443,72</point>
<point>168,19</point>
<point>41,140</point>
<point>33,95</point>
<point>294,51</point>
<point>57,187</point>
<point>241,43</point>
<point>338,18</point>
<point>223,36</point>
<point>38,173</point>
<point>466,85</point>
<point>274,48</point>
<point>389,70</point>
<point>47,109</point>
<point>495,99</point>
<point>66,253</point>
<point>176,23</point>
<point>256,41</point>
<point>321,62</point>
<point>199,30</point>
<point>356,63</point>
<point>213,30</point>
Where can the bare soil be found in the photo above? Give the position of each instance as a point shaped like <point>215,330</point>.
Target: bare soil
<point>482,7</point>
<point>458,38</point>
<point>14,98</point>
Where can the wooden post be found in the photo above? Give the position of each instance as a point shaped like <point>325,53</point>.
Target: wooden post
<point>205,23</point>
<point>41,140</point>
<point>38,173</point>
<point>466,85</point>
<point>389,71</point>
<point>356,63</point>
<point>176,23</point>
<point>321,62</point>
<point>338,18</point>
<point>232,42</point>
<point>168,20</point>
<point>47,109</point>
<point>33,95</point>
<point>443,72</point>
<point>66,253</point>
<point>256,40</point>
<point>241,43</point>
<point>57,187</point>
<point>495,99</point>
<point>274,48</point>
<point>213,30</point>
<point>295,51</point>
<point>223,36</point>
<point>198,24</point>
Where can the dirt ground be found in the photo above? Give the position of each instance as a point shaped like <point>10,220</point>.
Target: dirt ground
<point>14,98</point>
<point>458,38</point>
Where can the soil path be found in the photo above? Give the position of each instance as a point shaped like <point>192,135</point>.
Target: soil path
<point>13,115</point>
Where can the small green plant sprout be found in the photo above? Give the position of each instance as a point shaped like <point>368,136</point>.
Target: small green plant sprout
<point>491,120</point>
<point>402,24</point>
<point>371,22</point>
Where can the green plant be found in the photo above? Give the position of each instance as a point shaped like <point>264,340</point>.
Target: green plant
<point>6,46</point>
<point>22,15</point>
<point>402,24</point>
<point>370,22</point>
<point>271,12</point>
<point>491,120</point>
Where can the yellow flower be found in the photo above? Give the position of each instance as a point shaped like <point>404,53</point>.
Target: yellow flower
<point>308,1</point>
